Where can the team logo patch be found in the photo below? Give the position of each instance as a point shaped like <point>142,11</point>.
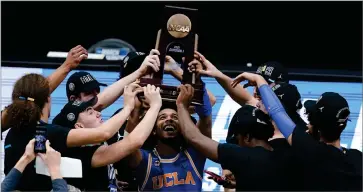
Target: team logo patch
<point>71,86</point>
<point>71,116</point>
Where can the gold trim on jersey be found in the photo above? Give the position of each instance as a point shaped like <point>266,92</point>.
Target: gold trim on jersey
<point>192,163</point>
<point>149,163</point>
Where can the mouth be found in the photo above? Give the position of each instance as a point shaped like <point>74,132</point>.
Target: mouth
<point>169,128</point>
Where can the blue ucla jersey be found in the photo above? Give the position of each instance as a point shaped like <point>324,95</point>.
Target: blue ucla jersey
<point>183,172</point>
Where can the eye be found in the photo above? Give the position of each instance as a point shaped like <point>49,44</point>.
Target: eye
<point>162,118</point>
<point>175,117</point>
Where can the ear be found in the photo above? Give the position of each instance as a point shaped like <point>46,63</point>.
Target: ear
<point>247,138</point>
<point>78,126</point>
<point>72,98</point>
<point>49,99</point>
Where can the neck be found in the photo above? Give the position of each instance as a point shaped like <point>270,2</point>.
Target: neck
<point>335,143</point>
<point>264,144</point>
<point>164,149</point>
<point>45,114</point>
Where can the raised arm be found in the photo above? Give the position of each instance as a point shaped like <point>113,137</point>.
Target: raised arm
<point>205,145</point>
<point>238,94</point>
<point>129,145</point>
<point>74,57</point>
<point>271,102</point>
<point>113,92</point>
<point>79,137</point>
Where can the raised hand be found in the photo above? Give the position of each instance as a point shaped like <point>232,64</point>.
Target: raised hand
<point>75,56</point>
<point>152,95</point>
<point>170,65</point>
<point>130,92</point>
<point>185,95</point>
<point>151,61</point>
<point>250,77</point>
<point>210,69</point>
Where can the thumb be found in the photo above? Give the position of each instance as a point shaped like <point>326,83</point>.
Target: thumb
<point>47,145</point>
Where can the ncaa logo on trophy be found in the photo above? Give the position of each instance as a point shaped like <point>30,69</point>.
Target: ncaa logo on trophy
<point>179,25</point>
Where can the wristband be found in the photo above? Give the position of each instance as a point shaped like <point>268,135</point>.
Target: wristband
<point>206,109</point>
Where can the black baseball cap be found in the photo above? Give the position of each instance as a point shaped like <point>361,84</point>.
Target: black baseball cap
<point>249,120</point>
<point>131,62</point>
<point>289,96</point>
<point>80,82</point>
<point>273,72</point>
<point>70,112</point>
<point>329,108</point>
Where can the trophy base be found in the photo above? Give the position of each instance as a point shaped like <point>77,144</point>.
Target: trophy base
<point>170,93</point>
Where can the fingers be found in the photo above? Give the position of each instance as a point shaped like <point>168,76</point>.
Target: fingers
<point>156,58</point>
<point>201,57</point>
<point>31,142</point>
<point>154,52</point>
<point>237,80</point>
<point>153,64</point>
<point>42,156</point>
<point>48,147</point>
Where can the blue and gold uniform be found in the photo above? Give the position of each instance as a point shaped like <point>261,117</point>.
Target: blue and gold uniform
<point>183,172</point>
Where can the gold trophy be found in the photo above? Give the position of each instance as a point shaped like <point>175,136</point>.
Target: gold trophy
<point>177,38</point>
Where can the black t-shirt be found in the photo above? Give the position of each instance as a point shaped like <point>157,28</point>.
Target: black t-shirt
<point>325,167</point>
<point>255,169</point>
<point>93,179</point>
<point>15,143</point>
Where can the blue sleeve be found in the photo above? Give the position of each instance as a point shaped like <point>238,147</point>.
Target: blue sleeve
<point>11,180</point>
<point>276,111</point>
<point>59,185</point>
<point>206,109</point>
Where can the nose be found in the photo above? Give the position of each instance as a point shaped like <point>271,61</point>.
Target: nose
<point>98,114</point>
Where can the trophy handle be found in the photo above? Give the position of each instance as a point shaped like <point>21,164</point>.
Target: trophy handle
<point>156,47</point>
<point>195,49</point>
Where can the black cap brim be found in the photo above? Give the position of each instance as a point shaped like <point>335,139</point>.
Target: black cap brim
<point>102,84</point>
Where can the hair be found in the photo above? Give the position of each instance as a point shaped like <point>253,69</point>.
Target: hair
<point>23,112</point>
<point>329,131</point>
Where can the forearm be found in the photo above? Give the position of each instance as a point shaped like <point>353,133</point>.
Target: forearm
<point>79,137</point>
<point>55,173</point>
<point>11,180</point>
<point>133,120</point>
<point>22,163</point>
<point>200,142</point>
<point>188,128</point>
<point>112,125</point>
<point>56,78</point>
<point>205,115</point>
<point>114,91</point>
<point>238,94</point>
<point>129,144</point>
<point>275,109</point>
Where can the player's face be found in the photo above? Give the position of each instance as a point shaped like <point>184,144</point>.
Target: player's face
<point>90,118</point>
<point>167,124</point>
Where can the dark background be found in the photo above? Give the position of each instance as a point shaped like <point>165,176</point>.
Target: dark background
<point>310,35</point>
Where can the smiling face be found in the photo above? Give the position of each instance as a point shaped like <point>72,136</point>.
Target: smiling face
<point>167,124</point>
<point>89,118</point>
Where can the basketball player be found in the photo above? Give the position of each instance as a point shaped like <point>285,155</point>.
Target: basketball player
<point>172,165</point>
<point>95,158</point>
